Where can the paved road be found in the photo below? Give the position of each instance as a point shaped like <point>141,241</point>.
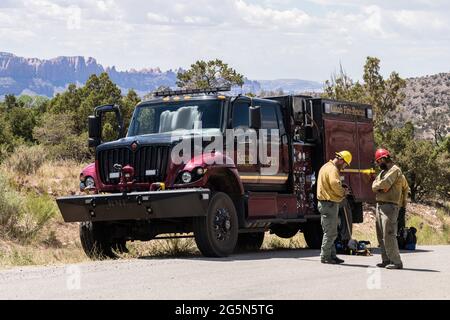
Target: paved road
<point>287,274</point>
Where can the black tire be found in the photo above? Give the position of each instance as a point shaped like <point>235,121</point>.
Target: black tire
<point>248,242</point>
<point>216,234</point>
<point>285,231</point>
<point>96,241</point>
<point>313,232</point>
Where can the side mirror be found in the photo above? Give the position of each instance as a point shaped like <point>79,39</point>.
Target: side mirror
<point>255,118</point>
<point>95,124</point>
<point>95,134</point>
<point>299,107</point>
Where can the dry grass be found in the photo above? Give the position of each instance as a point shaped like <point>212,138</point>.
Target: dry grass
<point>55,178</point>
<point>19,255</point>
<point>162,248</point>
<point>366,231</point>
<point>432,224</point>
<point>58,242</point>
<point>273,242</point>
<point>48,239</point>
<point>59,245</point>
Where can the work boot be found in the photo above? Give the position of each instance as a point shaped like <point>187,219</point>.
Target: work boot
<point>328,261</point>
<point>394,266</point>
<point>384,264</point>
<point>338,261</point>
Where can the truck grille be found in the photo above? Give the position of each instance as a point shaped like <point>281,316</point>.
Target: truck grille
<point>143,159</point>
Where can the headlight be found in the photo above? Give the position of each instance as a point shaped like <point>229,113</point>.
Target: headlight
<point>90,183</point>
<point>186,177</point>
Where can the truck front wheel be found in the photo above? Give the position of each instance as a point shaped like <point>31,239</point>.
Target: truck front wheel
<point>97,243</point>
<point>216,234</point>
<point>313,232</point>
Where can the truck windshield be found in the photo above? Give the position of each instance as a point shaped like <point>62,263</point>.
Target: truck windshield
<point>169,117</point>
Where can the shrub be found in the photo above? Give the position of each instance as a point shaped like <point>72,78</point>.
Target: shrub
<point>37,212</point>
<point>22,121</point>
<point>56,132</point>
<point>27,160</point>
<point>22,217</point>
<point>10,206</point>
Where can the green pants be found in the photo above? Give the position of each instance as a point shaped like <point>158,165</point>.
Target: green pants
<point>387,220</point>
<point>329,217</point>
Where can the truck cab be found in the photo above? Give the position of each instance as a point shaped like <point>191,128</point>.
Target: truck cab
<point>226,169</point>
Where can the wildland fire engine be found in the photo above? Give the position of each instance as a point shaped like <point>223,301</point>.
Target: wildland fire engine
<point>228,199</point>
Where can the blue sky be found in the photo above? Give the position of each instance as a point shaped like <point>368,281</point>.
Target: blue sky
<point>266,39</point>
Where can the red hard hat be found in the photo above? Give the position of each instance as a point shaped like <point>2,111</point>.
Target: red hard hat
<point>382,153</point>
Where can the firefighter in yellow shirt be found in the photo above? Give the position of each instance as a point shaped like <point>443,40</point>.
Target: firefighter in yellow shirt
<point>388,189</point>
<point>330,194</point>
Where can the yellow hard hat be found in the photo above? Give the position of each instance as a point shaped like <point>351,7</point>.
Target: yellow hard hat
<point>346,156</point>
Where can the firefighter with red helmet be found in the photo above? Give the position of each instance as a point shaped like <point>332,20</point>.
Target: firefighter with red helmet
<point>388,189</point>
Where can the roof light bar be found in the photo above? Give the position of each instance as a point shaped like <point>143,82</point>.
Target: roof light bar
<point>169,93</point>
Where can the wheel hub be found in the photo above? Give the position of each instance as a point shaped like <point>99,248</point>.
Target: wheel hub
<point>222,224</point>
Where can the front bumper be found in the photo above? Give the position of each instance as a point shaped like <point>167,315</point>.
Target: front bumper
<point>135,206</point>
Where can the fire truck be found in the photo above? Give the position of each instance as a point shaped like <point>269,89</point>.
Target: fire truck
<point>225,199</point>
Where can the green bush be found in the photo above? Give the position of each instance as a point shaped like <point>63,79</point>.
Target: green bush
<point>22,121</point>
<point>27,160</point>
<point>38,210</point>
<point>10,206</point>
<point>74,147</point>
<point>6,137</point>
<point>56,132</point>
<point>22,217</point>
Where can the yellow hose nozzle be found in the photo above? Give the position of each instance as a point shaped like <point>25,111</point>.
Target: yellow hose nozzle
<point>363,171</point>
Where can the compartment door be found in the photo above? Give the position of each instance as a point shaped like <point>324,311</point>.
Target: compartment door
<point>356,137</point>
<point>366,149</point>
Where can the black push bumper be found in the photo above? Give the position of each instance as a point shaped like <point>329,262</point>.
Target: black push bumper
<point>135,206</point>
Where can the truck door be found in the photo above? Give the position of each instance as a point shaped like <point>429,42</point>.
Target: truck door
<point>253,173</point>
<point>356,137</point>
<point>246,162</point>
<point>366,150</point>
<point>274,174</point>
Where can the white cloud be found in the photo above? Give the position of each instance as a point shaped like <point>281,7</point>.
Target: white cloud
<point>374,21</point>
<point>262,16</point>
<point>420,20</point>
<point>262,39</point>
<point>157,18</point>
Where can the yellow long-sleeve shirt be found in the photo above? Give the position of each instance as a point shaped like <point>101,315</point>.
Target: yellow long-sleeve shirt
<point>329,186</point>
<point>405,191</point>
<point>388,186</point>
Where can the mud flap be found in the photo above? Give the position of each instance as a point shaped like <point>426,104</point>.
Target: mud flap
<point>135,206</point>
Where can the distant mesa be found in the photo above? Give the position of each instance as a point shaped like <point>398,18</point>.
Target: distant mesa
<point>20,75</point>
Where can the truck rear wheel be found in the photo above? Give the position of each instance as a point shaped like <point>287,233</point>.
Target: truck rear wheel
<point>248,242</point>
<point>286,231</point>
<point>216,234</point>
<point>97,243</point>
<point>313,232</point>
